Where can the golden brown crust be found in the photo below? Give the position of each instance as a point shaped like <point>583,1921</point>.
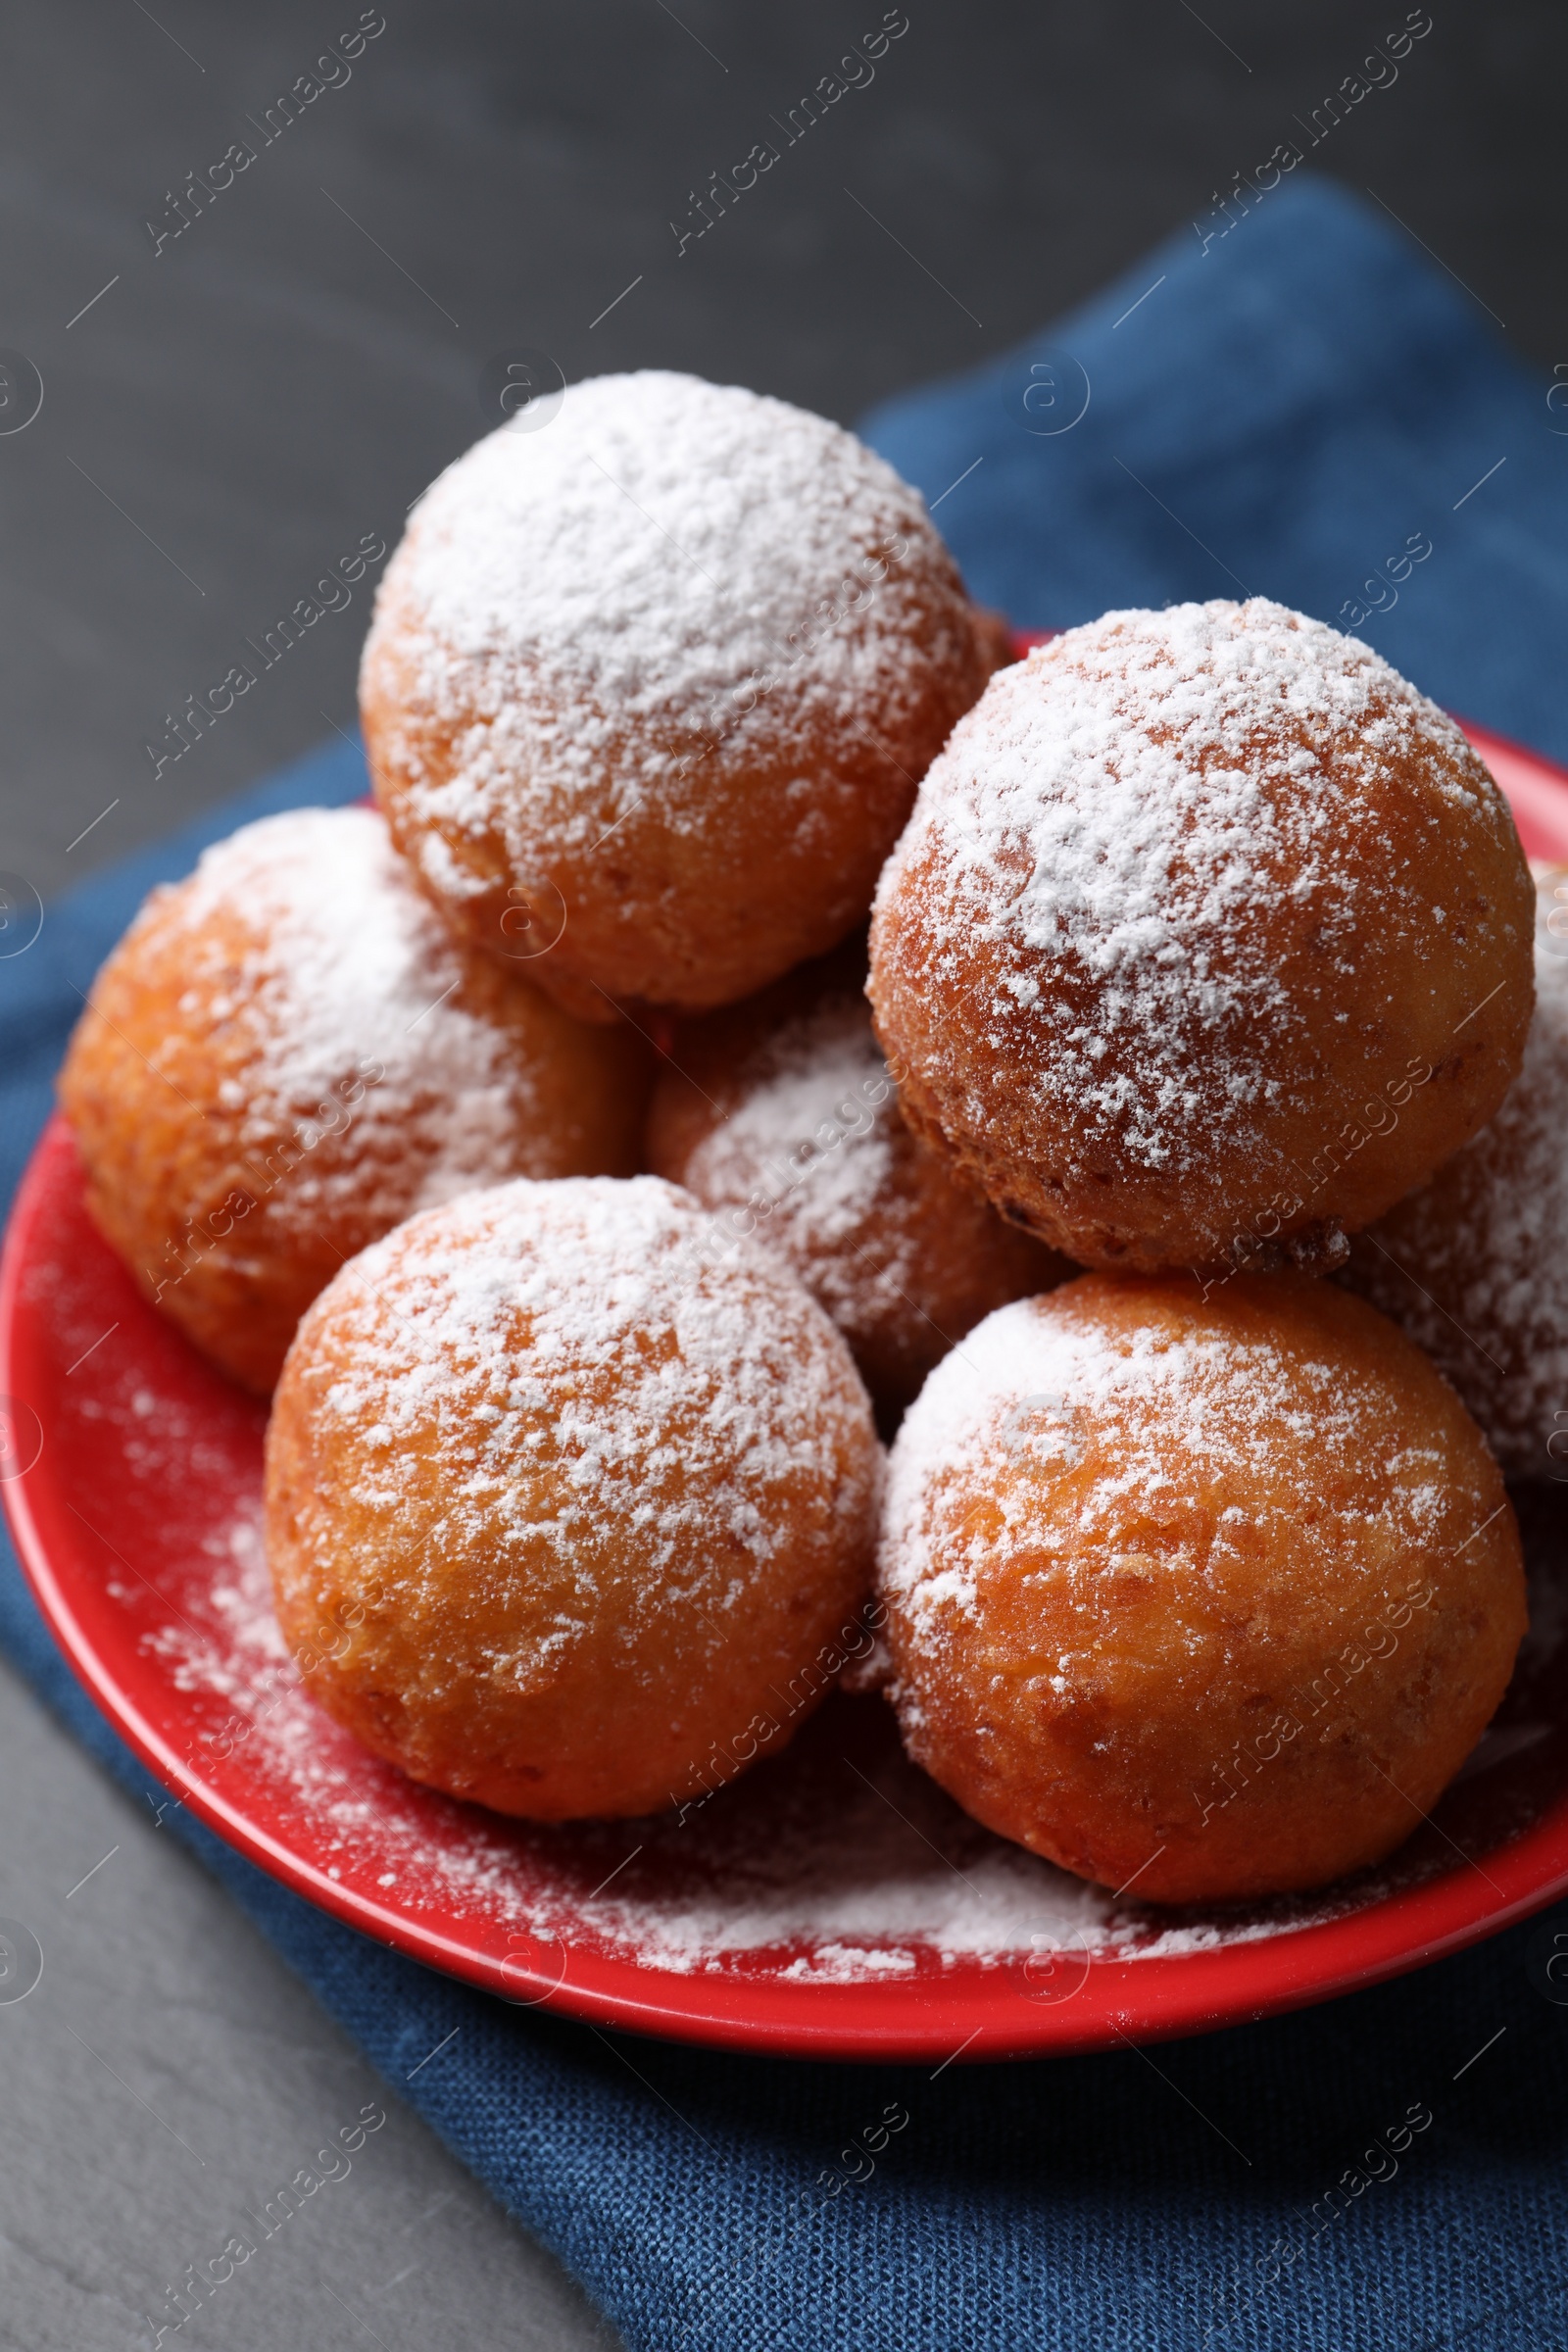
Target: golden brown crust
<point>1187,967</point>
<point>517,1558</point>
<point>649,914</point>
<point>234,1171</point>
<point>693,754</point>
<point>1214,1597</point>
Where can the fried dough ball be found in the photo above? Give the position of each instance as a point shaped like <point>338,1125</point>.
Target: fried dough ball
<point>999,643</point>
<point>287,1054</point>
<point>657,682</point>
<point>1475,1265</point>
<point>561,1513</point>
<point>780,1115</point>
<point>1208,1599</point>
<point>1209,938</point>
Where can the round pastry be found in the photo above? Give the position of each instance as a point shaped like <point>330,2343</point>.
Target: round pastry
<point>781,1116</point>
<point>658,683</point>
<point>1200,1599</point>
<point>999,644</point>
<point>1475,1265</point>
<point>1209,938</point>
<point>564,1515</point>
<point>287,1054</point>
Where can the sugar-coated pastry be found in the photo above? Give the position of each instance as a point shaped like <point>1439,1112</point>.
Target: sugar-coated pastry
<point>288,1053</point>
<point>1475,1265</point>
<point>1204,1600</point>
<point>1208,939</point>
<point>782,1117</point>
<point>652,687</point>
<point>562,1515</point>
<point>998,641</point>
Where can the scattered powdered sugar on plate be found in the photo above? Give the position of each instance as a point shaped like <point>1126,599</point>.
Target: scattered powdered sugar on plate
<point>885,1878</point>
<point>839,1863</point>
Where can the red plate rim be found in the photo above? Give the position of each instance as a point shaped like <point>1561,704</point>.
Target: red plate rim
<point>972,2012</point>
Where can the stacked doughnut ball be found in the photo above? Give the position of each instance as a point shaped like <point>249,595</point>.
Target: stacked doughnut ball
<point>591,1187</point>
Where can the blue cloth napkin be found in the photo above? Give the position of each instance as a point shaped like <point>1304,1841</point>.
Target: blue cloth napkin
<point>1289,405</point>
<point>1296,410</point>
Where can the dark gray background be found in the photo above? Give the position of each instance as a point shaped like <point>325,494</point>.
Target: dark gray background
<point>280,380</point>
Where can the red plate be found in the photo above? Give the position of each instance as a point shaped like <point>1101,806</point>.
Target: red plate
<point>831,1904</point>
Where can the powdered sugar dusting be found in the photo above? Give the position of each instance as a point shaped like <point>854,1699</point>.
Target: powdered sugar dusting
<point>800,1869</point>
<point>589,609</point>
<point>1045,1380</point>
<point>575,1328</point>
<point>305,936</point>
<point>820,1870</point>
<point>1475,1266</point>
<point>825,1099</point>
<point>1109,814</point>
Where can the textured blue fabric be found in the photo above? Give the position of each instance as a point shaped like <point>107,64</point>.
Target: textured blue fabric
<point>1280,416</point>
<point>1308,392</point>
